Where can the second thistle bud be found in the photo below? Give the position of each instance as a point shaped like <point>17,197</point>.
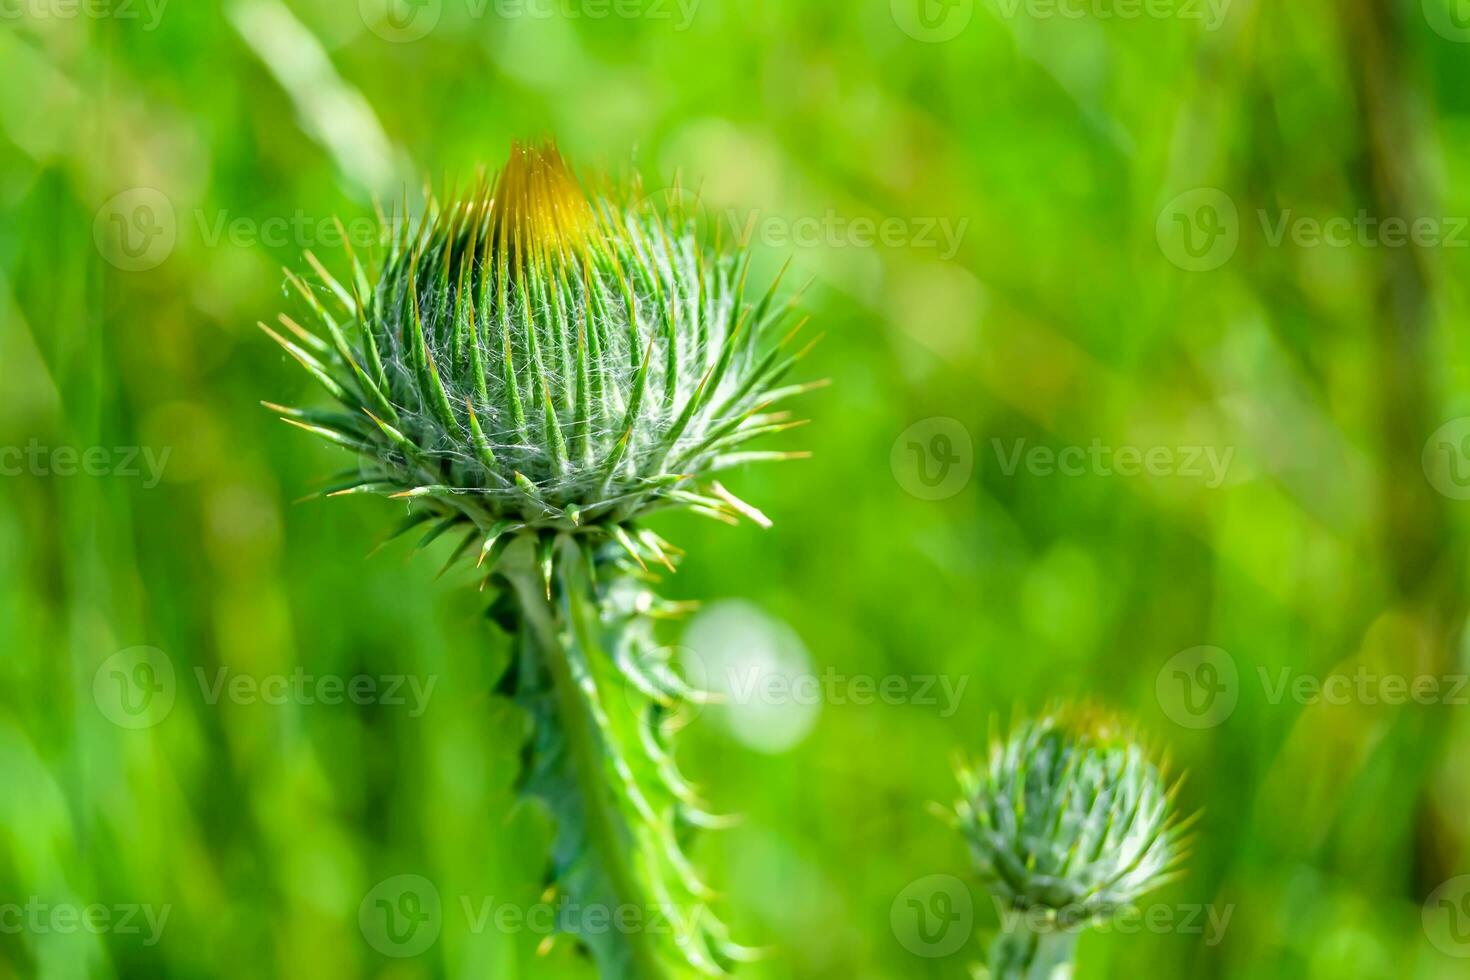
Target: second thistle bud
<point>1068,822</point>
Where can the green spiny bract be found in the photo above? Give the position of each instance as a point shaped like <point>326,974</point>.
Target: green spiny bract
<point>542,368</point>
<point>1070,818</point>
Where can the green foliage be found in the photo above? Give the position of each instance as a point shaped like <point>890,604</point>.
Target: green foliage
<point>1056,320</point>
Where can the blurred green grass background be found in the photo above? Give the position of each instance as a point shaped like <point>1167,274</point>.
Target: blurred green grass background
<point>1090,293</point>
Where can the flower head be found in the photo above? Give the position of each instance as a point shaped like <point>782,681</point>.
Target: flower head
<point>529,356</point>
<point>1071,816</point>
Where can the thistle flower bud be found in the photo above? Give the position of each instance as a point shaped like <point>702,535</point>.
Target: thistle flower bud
<point>1069,823</point>
<point>1070,816</point>
<point>531,357</point>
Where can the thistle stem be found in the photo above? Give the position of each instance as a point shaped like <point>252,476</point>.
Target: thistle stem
<point>550,637</point>
<point>575,748</point>
<point>1022,952</point>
